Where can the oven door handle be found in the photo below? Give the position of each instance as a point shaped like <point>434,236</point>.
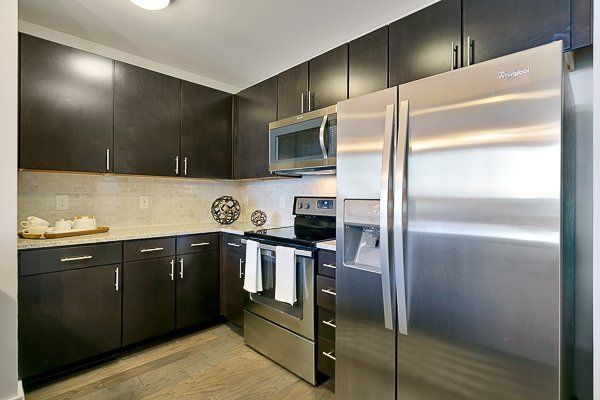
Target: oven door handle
<point>298,252</point>
<point>322,137</point>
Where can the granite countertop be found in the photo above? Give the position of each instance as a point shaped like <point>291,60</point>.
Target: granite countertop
<point>141,232</point>
<point>328,245</point>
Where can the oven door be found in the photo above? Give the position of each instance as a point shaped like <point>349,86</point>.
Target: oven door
<point>306,142</point>
<point>299,317</point>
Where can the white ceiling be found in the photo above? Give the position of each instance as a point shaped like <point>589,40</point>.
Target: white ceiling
<point>235,42</point>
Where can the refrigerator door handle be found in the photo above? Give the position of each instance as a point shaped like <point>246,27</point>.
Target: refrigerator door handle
<point>385,215</point>
<point>399,201</point>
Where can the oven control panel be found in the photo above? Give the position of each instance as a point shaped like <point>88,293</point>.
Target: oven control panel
<point>321,206</point>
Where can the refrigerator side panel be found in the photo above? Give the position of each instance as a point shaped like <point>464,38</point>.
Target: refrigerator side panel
<point>365,349</point>
<point>483,244</point>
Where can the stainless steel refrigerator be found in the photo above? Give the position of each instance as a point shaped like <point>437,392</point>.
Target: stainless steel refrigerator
<point>455,235</point>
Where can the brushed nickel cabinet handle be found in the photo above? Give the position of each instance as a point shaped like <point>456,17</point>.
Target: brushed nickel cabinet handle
<point>67,259</point>
<point>241,272</point>
<point>454,54</point>
<point>328,291</point>
<point>470,52</point>
<point>108,159</point>
<point>176,165</point>
<point>151,250</point>
<point>302,103</point>
<point>117,279</point>
<point>172,274</point>
<point>330,354</point>
<point>329,266</point>
<point>234,245</point>
<point>181,270</point>
<point>199,244</point>
<point>330,323</point>
<point>185,165</point>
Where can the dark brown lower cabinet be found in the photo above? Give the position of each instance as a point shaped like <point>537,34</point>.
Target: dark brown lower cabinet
<point>148,299</point>
<point>197,288</point>
<point>232,264</point>
<point>68,316</point>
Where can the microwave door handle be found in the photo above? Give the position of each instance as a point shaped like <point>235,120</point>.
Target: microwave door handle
<point>385,215</point>
<point>399,202</point>
<point>322,137</point>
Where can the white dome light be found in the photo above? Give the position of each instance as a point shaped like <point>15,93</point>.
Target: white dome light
<point>151,4</point>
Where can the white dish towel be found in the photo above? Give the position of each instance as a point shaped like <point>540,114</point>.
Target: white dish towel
<point>285,275</point>
<point>253,273</point>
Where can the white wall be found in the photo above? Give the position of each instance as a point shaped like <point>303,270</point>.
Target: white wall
<point>8,199</point>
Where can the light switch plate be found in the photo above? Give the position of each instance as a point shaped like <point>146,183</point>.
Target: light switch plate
<point>62,202</point>
<point>144,202</point>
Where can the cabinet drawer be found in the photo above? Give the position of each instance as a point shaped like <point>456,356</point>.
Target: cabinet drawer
<point>326,323</point>
<point>197,243</point>
<point>149,248</point>
<point>66,258</point>
<point>326,357</point>
<point>326,293</point>
<point>233,243</point>
<point>326,263</point>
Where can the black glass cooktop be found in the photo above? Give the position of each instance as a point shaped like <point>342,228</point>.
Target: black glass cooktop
<point>302,236</point>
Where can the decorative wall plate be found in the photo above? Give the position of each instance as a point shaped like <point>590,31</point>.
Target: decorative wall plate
<point>225,210</point>
<point>258,217</point>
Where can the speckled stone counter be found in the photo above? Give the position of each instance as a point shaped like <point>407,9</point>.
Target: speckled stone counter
<point>328,245</point>
<point>142,232</point>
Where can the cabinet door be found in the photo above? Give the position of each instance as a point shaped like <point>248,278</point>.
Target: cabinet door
<point>66,108</point>
<point>148,299</point>
<point>197,288</point>
<point>233,265</point>
<point>368,63</point>
<point>501,27</point>
<point>67,316</point>
<point>147,121</point>
<point>292,91</point>
<point>581,20</point>
<point>425,43</point>
<point>328,77</point>
<point>255,108</point>
<point>205,132</point>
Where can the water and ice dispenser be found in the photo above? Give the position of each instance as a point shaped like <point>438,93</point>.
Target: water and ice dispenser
<point>361,234</point>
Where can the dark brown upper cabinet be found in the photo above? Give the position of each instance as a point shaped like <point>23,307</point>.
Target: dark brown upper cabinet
<point>255,107</point>
<point>205,132</point>
<point>497,28</point>
<point>581,20</point>
<point>292,91</point>
<point>147,122</point>
<point>425,43</point>
<point>66,108</point>
<point>368,63</point>
<point>328,78</point>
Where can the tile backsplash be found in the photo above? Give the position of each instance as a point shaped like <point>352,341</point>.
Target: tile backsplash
<point>115,199</point>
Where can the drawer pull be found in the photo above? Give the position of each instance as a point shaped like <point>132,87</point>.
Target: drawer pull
<point>329,354</point>
<point>328,291</point>
<point>329,266</point>
<point>117,279</point>
<point>66,259</point>
<point>151,250</point>
<point>172,274</point>
<point>234,245</point>
<point>330,323</point>
<point>199,244</point>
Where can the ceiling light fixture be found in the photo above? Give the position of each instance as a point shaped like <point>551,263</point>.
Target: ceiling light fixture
<point>151,4</point>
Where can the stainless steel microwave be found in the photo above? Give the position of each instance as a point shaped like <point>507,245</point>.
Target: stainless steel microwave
<point>304,144</point>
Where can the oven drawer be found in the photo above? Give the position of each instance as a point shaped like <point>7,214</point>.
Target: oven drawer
<point>137,250</point>
<point>326,324</point>
<point>197,243</point>
<point>326,357</point>
<point>326,263</point>
<point>326,293</point>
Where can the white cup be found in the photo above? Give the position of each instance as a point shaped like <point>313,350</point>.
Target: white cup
<point>35,230</point>
<point>34,221</point>
<point>63,226</point>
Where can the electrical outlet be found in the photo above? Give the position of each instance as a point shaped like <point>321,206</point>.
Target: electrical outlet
<point>62,202</point>
<point>281,201</point>
<point>144,202</point>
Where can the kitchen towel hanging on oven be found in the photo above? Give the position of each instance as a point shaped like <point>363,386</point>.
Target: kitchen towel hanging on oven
<point>253,274</point>
<point>285,274</point>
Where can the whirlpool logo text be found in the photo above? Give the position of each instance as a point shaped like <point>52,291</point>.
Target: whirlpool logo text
<point>510,75</point>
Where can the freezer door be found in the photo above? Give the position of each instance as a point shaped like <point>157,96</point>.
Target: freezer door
<point>483,241</point>
<point>365,339</point>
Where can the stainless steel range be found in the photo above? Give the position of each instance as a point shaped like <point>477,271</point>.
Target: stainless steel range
<point>286,333</point>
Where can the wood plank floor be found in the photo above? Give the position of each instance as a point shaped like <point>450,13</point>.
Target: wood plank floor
<point>212,364</point>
